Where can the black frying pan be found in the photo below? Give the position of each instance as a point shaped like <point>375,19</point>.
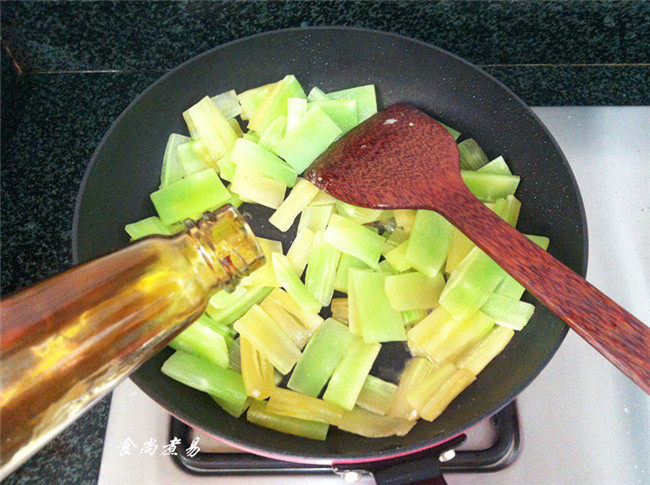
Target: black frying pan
<point>126,165</point>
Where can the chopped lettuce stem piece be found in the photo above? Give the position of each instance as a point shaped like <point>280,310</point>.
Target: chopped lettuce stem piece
<point>321,356</point>
<point>234,409</point>
<point>299,251</point>
<point>321,269</point>
<point>224,330</point>
<point>255,187</point>
<point>508,209</point>
<point>471,155</point>
<point>296,108</point>
<point>364,96</point>
<point>190,197</point>
<point>323,198</point>
<point>346,263</point>
<point>315,218</point>
<point>256,371</point>
<point>415,372</point>
<point>201,340</point>
<point>354,239</point>
<point>441,338</point>
<point>191,160</point>
<point>339,307</point>
<point>234,124</point>
<point>299,197</point>
<point>429,242</point>
<point>405,218</point>
<point>479,355</point>
<point>471,284</point>
<point>498,166</point>
<point>310,321</point>
<point>541,241</point>
<point>376,395</point>
<point>298,334</point>
<point>257,414</point>
<point>290,281</point>
<point>397,257</point>
<point>454,133</point>
<point>317,94</point>
<point>205,121</point>
<point>234,356</point>
<point>411,291</point>
<point>365,423</point>
<point>251,136</point>
<point>250,100</point>
<point>295,405</point>
<point>397,237</point>
<point>226,168</point>
<point>379,321</point>
<point>354,321</point>
<point>201,374</point>
<point>348,377</point>
<point>273,133</point>
<point>458,381</point>
<point>232,313</point>
<point>264,275</point>
<point>311,135</point>
<point>275,103</point>
<point>489,187</point>
<point>343,112</point>
<point>414,316</point>
<point>227,103</point>
<point>268,338</point>
<point>360,215</point>
<point>508,312</point>
<point>147,227</point>
<point>461,245</point>
<point>172,171</point>
<point>251,156</point>
<point>421,394</point>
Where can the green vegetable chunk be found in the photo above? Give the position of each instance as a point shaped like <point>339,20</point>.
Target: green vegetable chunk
<point>471,155</point>
<point>147,227</point>
<point>321,269</point>
<point>253,157</point>
<point>376,395</point>
<point>233,408</point>
<point>489,187</point>
<point>348,377</point>
<point>191,160</point>
<point>429,242</point>
<point>498,166</point>
<point>508,312</point>
<point>230,314</point>
<point>371,425</point>
<point>354,239</point>
<point>201,340</point>
<point>250,100</point>
<point>411,291</point>
<point>290,281</point>
<point>343,112</point>
<point>275,103</point>
<point>379,322</point>
<point>320,357</point>
<point>310,137</point>
<point>205,121</point>
<point>258,414</point>
<point>201,374</point>
<point>190,197</point>
<point>346,263</point>
<point>172,171</point>
<point>255,187</point>
<point>363,95</point>
<point>268,338</point>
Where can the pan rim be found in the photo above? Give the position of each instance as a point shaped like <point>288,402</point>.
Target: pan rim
<point>374,455</point>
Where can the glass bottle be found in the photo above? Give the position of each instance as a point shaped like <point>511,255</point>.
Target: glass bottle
<point>67,341</point>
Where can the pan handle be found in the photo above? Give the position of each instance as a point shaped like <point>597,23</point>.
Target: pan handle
<point>421,467</point>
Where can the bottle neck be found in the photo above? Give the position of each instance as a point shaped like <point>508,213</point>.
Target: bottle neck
<point>221,248</point>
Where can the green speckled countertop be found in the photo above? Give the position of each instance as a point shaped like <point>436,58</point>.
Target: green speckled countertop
<point>69,68</point>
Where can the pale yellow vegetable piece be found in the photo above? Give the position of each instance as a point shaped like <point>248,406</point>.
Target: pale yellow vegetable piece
<point>420,395</point>
<point>298,334</point>
<point>301,195</point>
<point>298,253</point>
<point>371,425</point>
<point>413,291</point>
<point>458,381</point>
<point>295,405</point>
<point>339,308</point>
<point>416,371</point>
<point>310,321</point>
<point>481,353</point>
<point>256,371</point>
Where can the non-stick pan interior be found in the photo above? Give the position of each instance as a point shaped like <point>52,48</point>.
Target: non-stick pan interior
<point>126,166</point>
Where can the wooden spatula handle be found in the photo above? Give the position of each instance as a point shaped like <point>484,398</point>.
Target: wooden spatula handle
<point>615,333</point>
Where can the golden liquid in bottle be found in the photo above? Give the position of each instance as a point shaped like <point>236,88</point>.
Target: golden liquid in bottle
<point>69,340</point>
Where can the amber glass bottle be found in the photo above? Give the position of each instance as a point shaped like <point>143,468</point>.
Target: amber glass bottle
<point>69,340</point>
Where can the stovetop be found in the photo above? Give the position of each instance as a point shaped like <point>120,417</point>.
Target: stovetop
<point>581,420</point>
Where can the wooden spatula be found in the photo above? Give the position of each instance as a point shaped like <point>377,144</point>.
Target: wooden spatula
<point>403,159</point>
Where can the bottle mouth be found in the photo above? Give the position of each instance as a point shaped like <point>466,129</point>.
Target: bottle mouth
<point>227,243</point>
